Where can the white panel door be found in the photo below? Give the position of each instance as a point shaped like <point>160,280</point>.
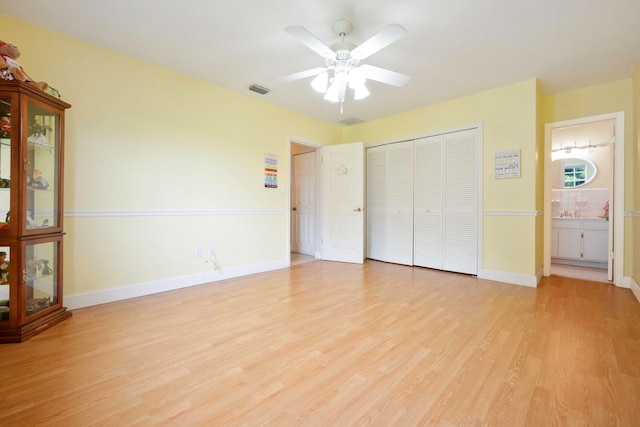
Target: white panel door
<point>343,203</point>
<point>460,207</point>
<point>377,202</point>
<point>400,203</point>
<point>303,209</point>
<point>428,246</point>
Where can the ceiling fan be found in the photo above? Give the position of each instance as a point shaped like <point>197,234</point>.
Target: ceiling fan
<point>342,59</point>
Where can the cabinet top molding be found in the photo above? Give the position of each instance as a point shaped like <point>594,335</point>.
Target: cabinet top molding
<point>27,89</point>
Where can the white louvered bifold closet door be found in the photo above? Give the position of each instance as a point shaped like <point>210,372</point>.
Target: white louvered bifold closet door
<point>422,202</point>
<point>400,203</point>
<point>377,202</point>
<point>428,245</point>
<point>460,211</point>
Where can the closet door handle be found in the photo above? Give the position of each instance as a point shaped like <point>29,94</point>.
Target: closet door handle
<point>358,210</point>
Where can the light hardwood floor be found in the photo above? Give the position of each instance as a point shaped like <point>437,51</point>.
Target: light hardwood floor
<point>331,344</point>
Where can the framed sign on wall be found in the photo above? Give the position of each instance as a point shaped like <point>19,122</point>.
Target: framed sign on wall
<point>270,171</point>
<point>507,164</point>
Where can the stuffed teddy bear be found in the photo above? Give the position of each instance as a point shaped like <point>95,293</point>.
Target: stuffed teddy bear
<point>10,69</point>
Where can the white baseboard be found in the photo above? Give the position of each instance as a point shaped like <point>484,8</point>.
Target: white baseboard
<point>87,299</point>
<point>513,278</point>
<point>635,288</point>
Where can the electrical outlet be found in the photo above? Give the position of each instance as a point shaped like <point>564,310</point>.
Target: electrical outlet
<point>197,252</point>
<point>211,251</point>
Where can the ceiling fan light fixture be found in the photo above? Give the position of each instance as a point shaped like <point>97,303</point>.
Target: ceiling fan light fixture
<point>338,88</point>
<point>321,82</point>
<point>342,81</point>
<point>342,60</point>
<point>357,78</point>
<point>332,93</point>
<point>360,92</point>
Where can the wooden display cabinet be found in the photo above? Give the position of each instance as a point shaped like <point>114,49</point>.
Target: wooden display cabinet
<point>31,211</point>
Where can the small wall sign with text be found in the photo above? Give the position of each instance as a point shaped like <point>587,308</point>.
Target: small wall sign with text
<point>507,164</point>
<point>270,171</point>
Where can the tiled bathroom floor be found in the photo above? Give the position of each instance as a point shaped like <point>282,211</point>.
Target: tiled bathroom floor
<point>584,273</point>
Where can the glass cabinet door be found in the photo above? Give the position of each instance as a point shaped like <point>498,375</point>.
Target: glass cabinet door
<point>42,167</point>
<point>41,277</point>
<point>5,161</point>
<point>31,211</point>
<point>5,255</point>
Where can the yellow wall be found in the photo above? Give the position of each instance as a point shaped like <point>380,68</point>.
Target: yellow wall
<point>596,100</point>
<point>540,167</point>
<point>508,116</point>
<point>635,144</point>
<point>153,157</point>
<point>593,101</point>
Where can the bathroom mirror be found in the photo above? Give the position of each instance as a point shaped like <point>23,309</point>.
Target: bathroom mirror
<point>572,172</point>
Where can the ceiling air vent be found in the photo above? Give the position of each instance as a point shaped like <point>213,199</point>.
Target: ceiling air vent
<point>351,121</point>
<point>259,89</point>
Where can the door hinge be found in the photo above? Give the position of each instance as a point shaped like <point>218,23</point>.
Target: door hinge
<point>611,255</point>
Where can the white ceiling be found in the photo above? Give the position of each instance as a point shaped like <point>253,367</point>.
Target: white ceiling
<point>453,47</point>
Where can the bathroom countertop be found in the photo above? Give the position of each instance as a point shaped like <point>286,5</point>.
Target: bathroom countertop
<point>579,217</point>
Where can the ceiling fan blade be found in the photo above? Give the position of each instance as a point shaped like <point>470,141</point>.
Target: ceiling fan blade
<point>310,41</point>
<point>385,76</point>
<point>301,75</point>
<point>383,38</point>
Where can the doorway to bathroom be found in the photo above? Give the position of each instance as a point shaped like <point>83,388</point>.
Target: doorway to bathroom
<point>581,186</point>
<point>580,194</point>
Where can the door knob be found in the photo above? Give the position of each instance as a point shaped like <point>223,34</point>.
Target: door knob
<point>358,210</point>
<point>295,209</point>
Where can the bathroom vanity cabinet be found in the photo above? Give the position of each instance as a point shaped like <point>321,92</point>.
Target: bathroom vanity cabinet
<point>580,239</point>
